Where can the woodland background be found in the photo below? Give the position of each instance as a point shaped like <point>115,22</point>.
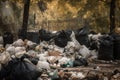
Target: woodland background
<point>58,14</point>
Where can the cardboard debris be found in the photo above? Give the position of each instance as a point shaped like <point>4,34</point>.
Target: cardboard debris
<point>96,69</point>
<point>54,53</point>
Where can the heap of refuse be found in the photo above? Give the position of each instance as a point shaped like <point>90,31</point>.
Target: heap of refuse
<point>53,56</point>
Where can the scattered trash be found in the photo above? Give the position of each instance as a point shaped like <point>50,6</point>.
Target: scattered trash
<point>59,57</point>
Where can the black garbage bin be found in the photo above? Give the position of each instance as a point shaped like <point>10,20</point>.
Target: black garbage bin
<point>117,47</point>
<point>7,38</point>
<point>33,36</point>
<point>105,51</point>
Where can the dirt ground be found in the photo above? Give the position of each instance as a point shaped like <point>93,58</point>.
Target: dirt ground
<point>98,70</point>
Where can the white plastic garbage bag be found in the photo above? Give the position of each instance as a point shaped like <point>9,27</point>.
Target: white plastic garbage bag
<point>4,58</point>
<point>19,42</point>
<point>11,50</point>
<point>84,51</point>
<point>1,40</point>
<point>43,65</point>
<point>19,49</point>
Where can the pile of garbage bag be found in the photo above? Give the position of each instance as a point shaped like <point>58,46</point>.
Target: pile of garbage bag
<point>26,60</point>
<point>49,59</point>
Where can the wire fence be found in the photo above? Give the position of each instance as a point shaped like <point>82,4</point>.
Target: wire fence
<point>72,23</point>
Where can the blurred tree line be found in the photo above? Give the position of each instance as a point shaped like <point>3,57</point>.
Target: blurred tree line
<point>59,14</point>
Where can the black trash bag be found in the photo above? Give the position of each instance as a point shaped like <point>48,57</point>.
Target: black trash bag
<point>45,35</point>
<point>80,62</point>
<point>34,60</point>
<point>61,42</point>
<point>33,36</point>
<point>45,48</point>
<point>19,69</point>
<point>82,36</point>
<point>62,39</point>
<point>105,51</point>
<point>68,33</point>
<point>117,47</point>
<point>22,34</point>
<point>7,38</point>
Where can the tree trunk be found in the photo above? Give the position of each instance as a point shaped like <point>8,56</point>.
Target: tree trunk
<point>23,32</point>
<point>112,16</point>
<point>26,15</point>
